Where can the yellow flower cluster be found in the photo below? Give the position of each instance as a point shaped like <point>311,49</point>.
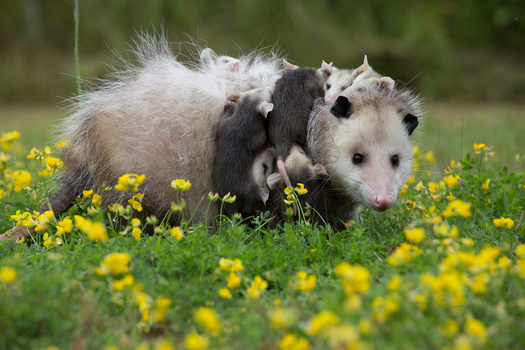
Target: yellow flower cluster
<point>354,279</point>
<point>130,182</point>
<point>8,138</point>
<point>233,280</point>
<point>96,231</point>
<point>180,185</point>
<point>208,319</point>
<point>292,342</point>
<point>257,287</point>
<point>7,274</point>
<point>52,163</point>
<point>403,255</point>
<point>305,283</point>
<point>504,222</point>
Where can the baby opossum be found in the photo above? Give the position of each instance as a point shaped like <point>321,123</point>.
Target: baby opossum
<point>240,160</point>
<point>341,79</point>
<point>293,100</point>
<point>363,142</point>
<point>210,61</point>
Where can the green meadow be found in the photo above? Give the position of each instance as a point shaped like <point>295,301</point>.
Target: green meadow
<point>443,269</point>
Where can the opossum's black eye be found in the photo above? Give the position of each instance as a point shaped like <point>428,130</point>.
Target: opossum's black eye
<point>328,86</point>
<point>265,168</point>
<point>395,160</point>
<point>358,158</point>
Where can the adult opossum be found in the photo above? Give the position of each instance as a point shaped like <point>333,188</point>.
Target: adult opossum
<point>341,79</point>
<point>241,139</point>
<point>363,142</point>
<point>156,117</point>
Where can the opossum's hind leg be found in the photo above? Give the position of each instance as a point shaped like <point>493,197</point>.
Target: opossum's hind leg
<point>71,186</point>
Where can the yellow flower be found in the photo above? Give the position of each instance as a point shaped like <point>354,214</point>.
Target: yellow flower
<point>1,194</point>
<point>257,287</point>
<point>233,281</point>
<point>7,274</point>
<point>21,179</point>
<point>230,265</point>
<point>130,182</point>
<point>163,345</point>
<point>43,220</point>
<point>225,293</point>
<point>126,281</point>
<point>450,328</point>
<point>354,279</point>
<point>305,283</point>
<point>281,318</point>
<point>135,232</point>
<point>394,283</point>
<point>485,185</point>
<point>321,321</point>
<point>161,309</point>
<point>177,233</point>
<point>116,263</point>
<point>97,200</point>
<point>208,319</point>
<point>520,251</point>
<point>415,235</point>
<point>136,201</point>
<point>62,143</point>
<point>300,189</point>
<point>477,329</point>
<point>292,342</point>
<point>228,198</point>
<point>457,207</point>
<point>180,185</point>
<point>8,138</point>
<point>403,254</point>
<point>452,181</point>
<point>196,341</point>
<point>419,186</point>
<point>383,308</point>
<point>64,226</point>
<point>504,222</point>
<point>480,147</point>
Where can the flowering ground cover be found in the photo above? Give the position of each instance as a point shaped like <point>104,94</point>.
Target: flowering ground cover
<point>443,269</point>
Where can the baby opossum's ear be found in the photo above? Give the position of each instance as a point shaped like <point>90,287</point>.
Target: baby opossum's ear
<point>362,68</point>
<point>274,180</point>
<point>327,69</point>
<point>289,66</point>
<point>264,193</point>
<point>319,171</point>
<point>341,107</point>
<point>208,57</point>
<point>265,108</point>
<point>386,82</point>
<point>411,122</point>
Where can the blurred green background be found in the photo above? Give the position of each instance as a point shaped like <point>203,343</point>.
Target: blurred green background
<point>462,50</point>
<point>465,57</point>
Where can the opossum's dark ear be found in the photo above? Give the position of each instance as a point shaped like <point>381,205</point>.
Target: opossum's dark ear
<point>411,122</point>
<point>341,107</point>
<point>327,68</point>
<point>208,57</point>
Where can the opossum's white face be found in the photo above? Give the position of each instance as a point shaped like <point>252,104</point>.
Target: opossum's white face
<point>262,168</point>
<point>336,83</point>
<point>371,155</point>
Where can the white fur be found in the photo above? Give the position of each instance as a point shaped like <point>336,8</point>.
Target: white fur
<point>157,117</point>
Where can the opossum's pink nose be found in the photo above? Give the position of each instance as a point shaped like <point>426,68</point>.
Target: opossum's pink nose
<point>235,66</point>
<point>383,202</point>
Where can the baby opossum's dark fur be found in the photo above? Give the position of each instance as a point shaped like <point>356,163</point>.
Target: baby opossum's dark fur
<point>241,137</point>
<point>293,98</point>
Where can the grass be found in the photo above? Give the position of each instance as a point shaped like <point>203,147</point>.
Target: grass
<point>417,276</point>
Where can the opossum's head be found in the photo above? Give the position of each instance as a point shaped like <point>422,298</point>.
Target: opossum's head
<point>363,142</point>
<point>211,61</point>
<point>261,96</point>
<point>262,168</point>
<point>338,81</point>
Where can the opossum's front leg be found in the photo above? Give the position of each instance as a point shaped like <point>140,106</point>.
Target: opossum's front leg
<point>71,186</point>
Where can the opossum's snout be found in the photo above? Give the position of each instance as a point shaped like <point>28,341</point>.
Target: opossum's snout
<point>382,202</point>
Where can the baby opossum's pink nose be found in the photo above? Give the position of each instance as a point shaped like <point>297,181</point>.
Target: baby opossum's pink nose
<point>383,202</point>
